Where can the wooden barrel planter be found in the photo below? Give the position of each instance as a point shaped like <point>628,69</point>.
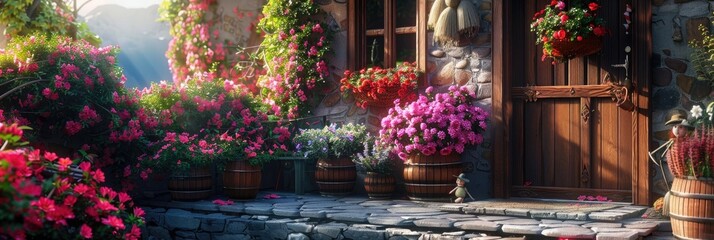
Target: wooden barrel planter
<point>691,208</point>
<point>430,178</point>
<point>241,180</point>
<point>379,186</point>
<point>194,185</point>
<point>335,177</point>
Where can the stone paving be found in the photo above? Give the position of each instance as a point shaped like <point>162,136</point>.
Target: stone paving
<point>318,217</point>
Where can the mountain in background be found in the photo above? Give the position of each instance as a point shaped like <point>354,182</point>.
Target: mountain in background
<point>142,39</point>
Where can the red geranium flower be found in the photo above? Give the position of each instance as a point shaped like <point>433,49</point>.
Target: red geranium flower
<point>593,6</point>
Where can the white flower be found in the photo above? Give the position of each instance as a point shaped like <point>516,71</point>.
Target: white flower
<point>696,111</point>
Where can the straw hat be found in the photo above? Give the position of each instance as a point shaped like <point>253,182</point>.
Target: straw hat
<point>462,177</point>
<point>676,118</point>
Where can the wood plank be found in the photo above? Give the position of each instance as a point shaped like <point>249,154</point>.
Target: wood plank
<point>562,171</point>
<point>533,155</point>
<point>585,169</point>
<point>624,149</point>
<point>501,100</point>
<point>355,34</point>
<point>421,46</point>
<point>560,71</point>
<point>390,19</point>
<point>518,141</point>
<point>597,142</point>
<point>576,71</point>
<point>569,193</point>
<point>548,132</point>
<point>399,30</point>
<point>642,53</point>
<point>575,149</point>
<point>608,163</point>
<point>531,51</point>
<point>578,91</point>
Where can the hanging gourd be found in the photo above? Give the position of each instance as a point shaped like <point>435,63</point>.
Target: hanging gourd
<point>451,18</point>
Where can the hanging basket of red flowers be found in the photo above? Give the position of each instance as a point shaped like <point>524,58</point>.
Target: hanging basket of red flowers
<point>568,31</point>
<point>379,87</point>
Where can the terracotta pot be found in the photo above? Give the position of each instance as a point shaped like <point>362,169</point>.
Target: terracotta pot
<point>241,180</point>
<point>335,177</point>
<point>379,185</point>
<point>430,178</point>
<point>691,208</point>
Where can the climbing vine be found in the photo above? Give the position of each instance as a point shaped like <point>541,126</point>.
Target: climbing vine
<point>293,52</point>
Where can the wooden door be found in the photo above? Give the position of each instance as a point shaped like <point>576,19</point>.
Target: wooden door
<point>566,134</point>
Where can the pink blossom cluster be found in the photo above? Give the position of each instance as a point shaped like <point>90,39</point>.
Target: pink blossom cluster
<point>77,94</point>
<point>293,75</point>
<point>441,123</point>
<point>84,204</point>
<point>197,48</point>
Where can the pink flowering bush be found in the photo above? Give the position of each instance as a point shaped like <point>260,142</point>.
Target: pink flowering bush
<point>73,96</point>
<point>42,196</point>
<point>195,46</point>
<point>207,121</point>
<point>294,51</point>
<point>435,124</point>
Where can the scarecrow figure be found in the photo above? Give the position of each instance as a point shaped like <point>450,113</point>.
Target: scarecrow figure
<point>680,128</point>
<point>460,189</point>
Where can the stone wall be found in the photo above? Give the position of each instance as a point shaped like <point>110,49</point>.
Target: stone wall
<point>674,85</point>
<point>468,64</point>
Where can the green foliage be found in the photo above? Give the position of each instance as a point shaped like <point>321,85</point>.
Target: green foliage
<point>33,17</point>
<point>331,141</point>
<point>376,157</point>
<point>702,56</point>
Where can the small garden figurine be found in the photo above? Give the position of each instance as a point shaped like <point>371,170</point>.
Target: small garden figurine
<point>460,189</point>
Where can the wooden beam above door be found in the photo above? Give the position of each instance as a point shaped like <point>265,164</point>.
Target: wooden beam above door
<point>536,92</point>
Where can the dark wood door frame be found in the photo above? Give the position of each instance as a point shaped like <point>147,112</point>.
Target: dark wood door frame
<point>503,74</point>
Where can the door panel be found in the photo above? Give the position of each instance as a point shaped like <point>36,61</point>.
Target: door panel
<point>569,137</point>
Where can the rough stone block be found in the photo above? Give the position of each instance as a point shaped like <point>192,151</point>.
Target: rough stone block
<point>572,216</point>
<point>159,233</point>
<point>435,223</point>
<point>186,234</point>
<point>676,64</point>
<point>543,214</point>
<point>521,229</point>
<point>235,208</point>
<point>231,237</point>
<point>313,213</point>
<point>693,9</point>
<point>495,211</point>
<point>256,225</point>
<point>298,236</point>
<point>693,32</point>
<point>390,221</point>
<point>300,227</point>
<point>617,236</point>
<point>606,216</point>
<point>259,210</point>
<point>519,221</point>
<point>569,232</point>
<point>478,225</point>
<point>286,212</point>
<point>364,234</point>
<point>332,230</point>
<point>236,225</point>
<point>181,219</point>
<point>350,217</point>
<point>203,236</point>
<point>214,222</point>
